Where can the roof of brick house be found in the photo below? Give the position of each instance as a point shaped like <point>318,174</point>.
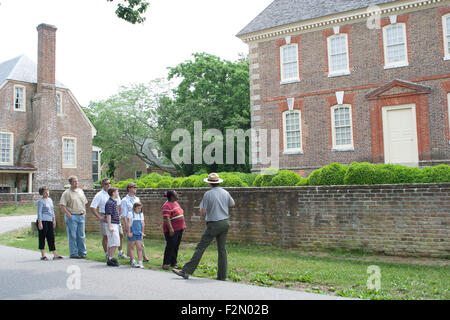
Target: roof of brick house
<point>23,69</point>
<point>283,12</point>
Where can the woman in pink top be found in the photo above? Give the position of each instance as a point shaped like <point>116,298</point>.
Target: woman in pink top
<point>173,227</point>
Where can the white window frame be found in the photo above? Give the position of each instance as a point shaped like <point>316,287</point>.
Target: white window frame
<point>343,71</point>
<point>293,79</point>
<point>347,147</point>
<point>285,143</point>
<point>445,26</point>
<point>396,64</point>
<point>60,94</point>
<point>11,154</point>
<point>74,165</point>
<point>448,111</point>
<point>24,102</point>
<point>98,173</point>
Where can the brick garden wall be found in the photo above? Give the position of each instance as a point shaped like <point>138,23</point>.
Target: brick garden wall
<point>403,220</point>
<point>22,198</point>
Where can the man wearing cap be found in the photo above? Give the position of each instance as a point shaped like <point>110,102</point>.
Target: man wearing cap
<point>215,205</point>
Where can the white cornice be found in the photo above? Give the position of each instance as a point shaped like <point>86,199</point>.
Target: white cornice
<point>343,18</point>
<point>3,84</point>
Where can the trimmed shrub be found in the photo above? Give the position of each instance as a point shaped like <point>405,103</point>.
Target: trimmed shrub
<point>302,182</point>
<point>188,182</point>
<point>164,183</point>
<point>285,178</point>
<point>314,178</point>
<point>360,173</point>
<point>232,181</point>
<point>199,183</point>
<point>258,181</point>
<point>177,182</point>
<point>332,175</point>
<point>440,173</point>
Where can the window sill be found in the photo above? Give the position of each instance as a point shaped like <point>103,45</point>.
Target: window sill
<point>400,65</point>
<point>289,81</point>
<point>292,152</point>
<point>343,149</point>
<point>447,58</point>
<point>20,110</point>
<point>339,74</point>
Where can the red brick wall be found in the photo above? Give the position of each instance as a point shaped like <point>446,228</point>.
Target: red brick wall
<point>391,219</point>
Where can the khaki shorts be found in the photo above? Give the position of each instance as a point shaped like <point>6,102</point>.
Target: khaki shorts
<point>104,228</point>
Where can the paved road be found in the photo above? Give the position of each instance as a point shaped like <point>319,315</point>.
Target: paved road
<point>24,276</point>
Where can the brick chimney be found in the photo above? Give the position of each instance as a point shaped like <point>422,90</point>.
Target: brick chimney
<point>47,142</point>
<point>46,55</point>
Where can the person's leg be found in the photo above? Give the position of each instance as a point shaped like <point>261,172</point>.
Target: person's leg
<point>131,245</point>
<point>103,227</point>
<point>168,250</point>
<point>139,250</point>
<point>50,235</point>
<point>41,237</point>
<point>205,240</point>
<point>72,236</point>
<point>177,240</point>
<point>81,235</point>
<point>221,250</point>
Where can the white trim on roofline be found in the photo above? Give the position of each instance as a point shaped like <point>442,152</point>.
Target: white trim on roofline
<point>343,18</point>
<point>3,84</point>
<point>94,131</point>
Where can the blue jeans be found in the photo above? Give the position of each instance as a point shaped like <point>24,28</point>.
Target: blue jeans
<point>75,232</point>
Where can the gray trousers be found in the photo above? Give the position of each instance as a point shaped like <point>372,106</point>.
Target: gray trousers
<point>218,230</point>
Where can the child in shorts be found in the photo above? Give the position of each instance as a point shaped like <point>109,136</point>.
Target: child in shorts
<point>113,220</point>
<point>135,230</point>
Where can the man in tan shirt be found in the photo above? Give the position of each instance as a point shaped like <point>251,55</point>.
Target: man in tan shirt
<point>73,205</point>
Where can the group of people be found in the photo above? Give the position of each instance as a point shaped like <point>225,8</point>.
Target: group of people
<point>117,216</point>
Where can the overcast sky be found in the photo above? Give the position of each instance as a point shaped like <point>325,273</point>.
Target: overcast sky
<point>96,52</point>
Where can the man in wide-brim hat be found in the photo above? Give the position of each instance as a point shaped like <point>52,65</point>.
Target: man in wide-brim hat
<point>215,205</point>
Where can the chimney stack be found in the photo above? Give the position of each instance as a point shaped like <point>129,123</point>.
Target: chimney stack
<point>46,56</point>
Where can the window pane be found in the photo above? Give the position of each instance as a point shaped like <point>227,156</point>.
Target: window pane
<point>18,98</point>
<point>5,148</point>
<point>342,125</point>
<point>290,63</point>
<point>68,152</point>
<point>395,44</point>
<point>58,103</point>
<point>293,134</point>
<point>338,53</point>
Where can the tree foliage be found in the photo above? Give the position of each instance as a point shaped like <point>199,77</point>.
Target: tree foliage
<point>132,10</point>
<point>213,91</point>
<point>126,121</point>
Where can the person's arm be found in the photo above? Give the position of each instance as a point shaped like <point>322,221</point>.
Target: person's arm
<point>231,202</point>
<point>94,206</point>
<point>128,227</point>
<point>143,227</point>
<point>169,225</point>
<point>39,215</point>
<point>64,209</point>
<point>203,205</point>
<point>108,219</point>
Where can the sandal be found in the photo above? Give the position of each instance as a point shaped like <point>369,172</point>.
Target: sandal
<point>44,258</point>
<point>58,257</point>
<point>146,260</point>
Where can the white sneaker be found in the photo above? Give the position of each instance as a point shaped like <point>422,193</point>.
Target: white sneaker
<point>141,265</point>
<point>123,256</point>
<point>134,264</point>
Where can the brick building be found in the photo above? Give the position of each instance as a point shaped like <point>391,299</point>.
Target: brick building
<point>44,135</point>
<point>350,80</point>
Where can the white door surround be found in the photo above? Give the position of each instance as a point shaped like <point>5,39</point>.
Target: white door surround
<point>400,135</point>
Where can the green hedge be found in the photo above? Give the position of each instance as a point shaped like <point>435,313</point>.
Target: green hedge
<point>358,173</point>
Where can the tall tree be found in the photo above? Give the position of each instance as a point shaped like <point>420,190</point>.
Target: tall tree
<point>126,123</point>
<point>213,91</point>
<point>132,10</point>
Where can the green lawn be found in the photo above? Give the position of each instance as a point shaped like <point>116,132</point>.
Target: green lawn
<point>337,273</point>
<point>20,210</point>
